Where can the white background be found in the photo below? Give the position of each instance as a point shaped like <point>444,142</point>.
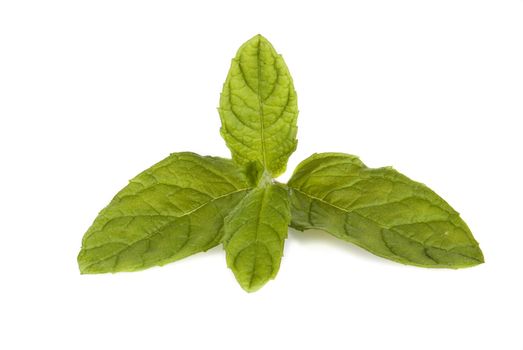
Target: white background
<point>93,92</point>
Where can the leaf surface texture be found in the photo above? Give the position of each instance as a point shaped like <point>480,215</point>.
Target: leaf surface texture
<point>254,235</point>
<point>380,210</point>
<point>173,209</point>
<point>258,107</point>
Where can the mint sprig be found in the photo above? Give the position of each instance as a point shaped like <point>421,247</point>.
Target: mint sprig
<point>189,203</point>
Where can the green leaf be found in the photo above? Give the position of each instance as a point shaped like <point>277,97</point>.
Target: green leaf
<point>380,210</point>
<point>173,209</point>
<point>258,107</point>
<point>254,235</point>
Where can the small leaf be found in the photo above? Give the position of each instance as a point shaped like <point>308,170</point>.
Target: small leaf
<point>258,107</point>
<point>174,209</point>
<point>380,210</point>
<point>254,236</point>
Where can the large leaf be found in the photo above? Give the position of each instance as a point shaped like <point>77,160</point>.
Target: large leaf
<point>174,209</point>
<point>258,107</point>
<point>254,235</point>
<point>380,210</point>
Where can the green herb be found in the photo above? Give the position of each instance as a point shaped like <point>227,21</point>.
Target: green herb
<point>259,108</point>
<point>254,235</point>
<point>189,203</point>
<point>380,210</point>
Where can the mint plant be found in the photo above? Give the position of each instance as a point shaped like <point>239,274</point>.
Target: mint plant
<point>189,203</point>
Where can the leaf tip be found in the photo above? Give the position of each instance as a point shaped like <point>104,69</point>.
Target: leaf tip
<point>83,265</point>
<point>257,39</point>
<point>251,287</point>
<point>480,257</point>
